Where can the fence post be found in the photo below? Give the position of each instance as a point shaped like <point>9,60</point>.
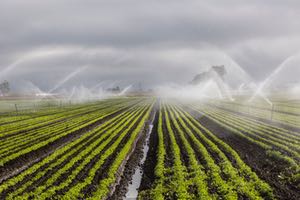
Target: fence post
<point>272,111</point>
<point>16,107</point>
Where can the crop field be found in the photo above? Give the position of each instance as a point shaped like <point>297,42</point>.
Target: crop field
<point>285,113</point>
<point>184,150</point>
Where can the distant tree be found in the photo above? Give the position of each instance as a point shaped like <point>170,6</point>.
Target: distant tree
<point>117,89</point>
<point>204,76</point>
<point>114,89</point>
<point>4,88</point>
<point>220,70</point>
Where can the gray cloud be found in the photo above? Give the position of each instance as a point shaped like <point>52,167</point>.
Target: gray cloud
<point>152,41</point>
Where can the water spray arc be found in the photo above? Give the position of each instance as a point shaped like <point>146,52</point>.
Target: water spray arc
<point>123,92</point>
<point>269,79</point>
<point>67,78</point>
<point>95,87</point>
<point>32,55</point>
<point>6,70</point>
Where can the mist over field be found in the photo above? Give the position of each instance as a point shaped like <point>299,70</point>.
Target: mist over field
<point>150,100</point>
<point>153,43</point>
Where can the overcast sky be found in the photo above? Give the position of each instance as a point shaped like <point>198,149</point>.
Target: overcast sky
<point>151,42</point>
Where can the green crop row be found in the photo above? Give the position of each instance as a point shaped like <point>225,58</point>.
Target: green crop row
<point>276,136</point>
<point>112,173</point>
<point>196,169</point>
<point>29,138</point>
<point>261,125</point>
<point>20,142</point>
<point>51,139</point>
<point>47,119</point>
<point>48,189</point>
<point>206,168</point>
<point>290,117</point>
<point>274,150</point>
<point>257,135</point>
<point>61,154</point>
<point>242,178</point>
<point>98,138</point>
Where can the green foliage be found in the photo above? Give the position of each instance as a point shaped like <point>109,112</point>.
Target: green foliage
<point>191,161</point>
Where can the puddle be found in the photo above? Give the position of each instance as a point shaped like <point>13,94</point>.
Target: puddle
<point>137,177</point>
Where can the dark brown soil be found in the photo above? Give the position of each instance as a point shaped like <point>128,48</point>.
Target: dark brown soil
<point>254,156</point>
<point>267,121</point>
<point>87,141</point>
<point>38,154</point>
<point>52,122</point>
<point>169,158</point>
<point>266,167</point>
<point>83,173</point>
<point>184,157</point>
<point>133,162</point>
<point>102,172</point>
<point>151,159</point>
